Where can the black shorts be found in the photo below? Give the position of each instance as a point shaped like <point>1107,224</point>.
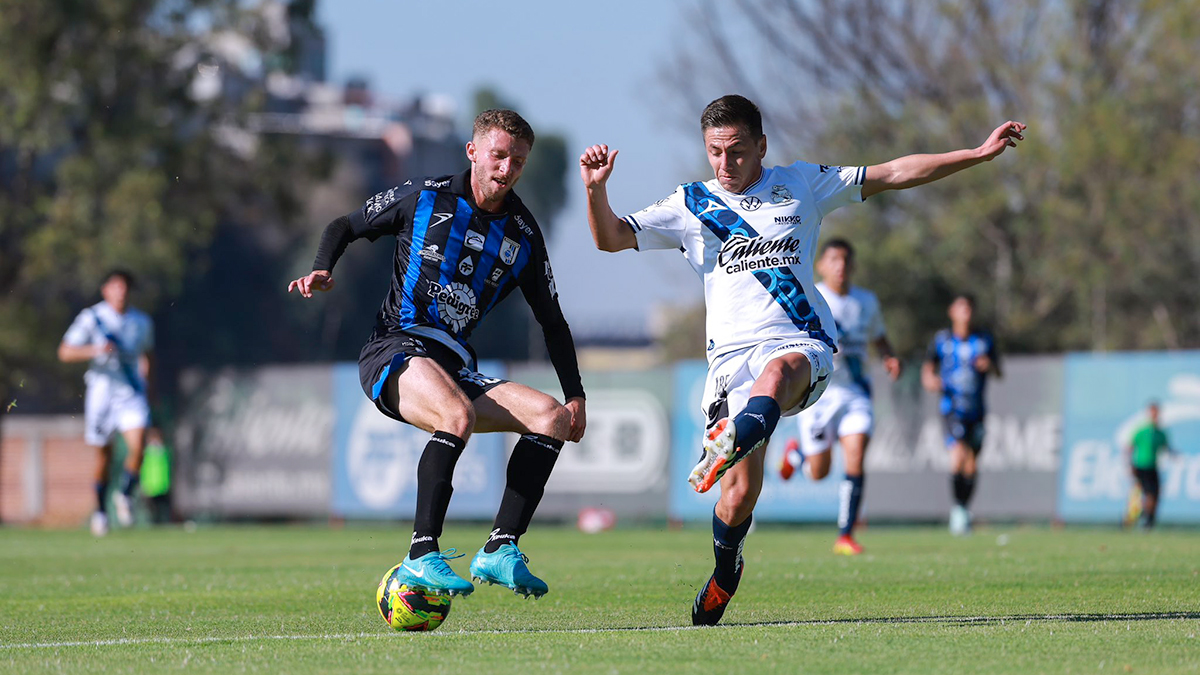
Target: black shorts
<point>385,353</point>
<point>969,431</point>
<point>1148,480</point>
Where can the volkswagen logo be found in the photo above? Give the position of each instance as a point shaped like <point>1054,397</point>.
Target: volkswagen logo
<point>751,203</point>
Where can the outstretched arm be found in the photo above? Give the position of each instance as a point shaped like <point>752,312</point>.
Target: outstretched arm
<point>913,170</point>
<point>609,232</point>
<point>334,239</point>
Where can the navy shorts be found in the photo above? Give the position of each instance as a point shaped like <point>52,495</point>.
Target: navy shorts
<point>1148,480</point>
<point>385,354</point>
<point>969,431</point>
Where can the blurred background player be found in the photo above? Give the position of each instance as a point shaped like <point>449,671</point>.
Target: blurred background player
<point>751,234</point>
<point>464,243</point>
<point>843,413</point>
<point>1142,451</point>
<point>956,366</point>
<point>117,340</point>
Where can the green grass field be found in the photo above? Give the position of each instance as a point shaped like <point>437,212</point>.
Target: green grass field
<point>301,599</point>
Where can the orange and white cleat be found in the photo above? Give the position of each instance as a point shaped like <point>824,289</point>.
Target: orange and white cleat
<point>845,545</point>
<point>792,459</point>
<point>717,457</point>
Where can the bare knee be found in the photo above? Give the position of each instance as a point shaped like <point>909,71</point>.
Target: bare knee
<point>457,419</point>
<point>818,469</point>
<point>553,420</point>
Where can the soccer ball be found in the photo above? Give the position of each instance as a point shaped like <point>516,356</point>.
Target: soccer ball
<point>404,608</point>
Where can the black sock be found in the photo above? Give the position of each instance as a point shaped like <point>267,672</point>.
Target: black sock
<point>756,422</point>
<point>101,491</point>
<point>529,468</point>
<point>435,472</point>
<point>849,502</point>
<point>964,487</point>
<point>727,548</point>
<point>129,481</point>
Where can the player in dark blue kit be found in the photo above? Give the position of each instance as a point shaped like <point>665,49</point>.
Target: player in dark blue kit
<point>463,243</point>
<point>957,366</point>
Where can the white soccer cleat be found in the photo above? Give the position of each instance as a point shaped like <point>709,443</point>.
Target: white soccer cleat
<point>99,524</point>
<point>719,449</point>
<point>124,508</point>
<point>960,521</point>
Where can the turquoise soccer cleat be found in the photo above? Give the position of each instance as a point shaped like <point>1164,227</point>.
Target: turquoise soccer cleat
<point>506,567</point>
<point>432,574</point>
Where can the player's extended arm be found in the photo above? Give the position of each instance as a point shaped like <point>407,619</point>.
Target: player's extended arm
<point>609,232</point>
<point>76,353</point>
<point>334,239</point>
<point>913,170</point>
<point>890,363</point>
<point>930,379</point>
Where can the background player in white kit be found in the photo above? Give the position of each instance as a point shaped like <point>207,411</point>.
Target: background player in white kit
<point>843,413</point>
<point>118,341</point>
<point>750,233</point>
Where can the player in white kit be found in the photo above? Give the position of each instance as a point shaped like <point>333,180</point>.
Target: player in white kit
<point>843,413</point>
<point>750,233</point>
<point>118,341</point>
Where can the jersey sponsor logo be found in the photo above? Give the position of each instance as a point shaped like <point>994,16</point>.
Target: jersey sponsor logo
<point>456,304</point>
<point>439,218</point>
<point>780,194</point>
<point>550,281</point>
<point>508,251</point>
<point>826,168</point>
<point>466,266</point>
<point>375,205</point>
<point>743,254</point>
<point>521,224</point>
<point>437,183</point>
<point>750,203</point>
<point>474,240</point>
<point>430,252</point>
<point>494,279</point>
<point>788,220</point>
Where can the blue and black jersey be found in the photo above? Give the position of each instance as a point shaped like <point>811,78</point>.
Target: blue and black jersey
<point>454,262</point>
<point>962,383</point>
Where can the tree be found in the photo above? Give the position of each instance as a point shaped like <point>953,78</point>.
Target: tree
<point>110,156</point>
<point>1084,238</point>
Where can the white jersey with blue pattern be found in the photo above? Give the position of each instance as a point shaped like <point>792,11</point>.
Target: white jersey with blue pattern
<point>859,323</point>
<point>754,250</point>
<point>132,332</point>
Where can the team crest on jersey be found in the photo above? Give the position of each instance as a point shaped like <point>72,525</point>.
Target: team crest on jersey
<point>508,251</point>
<point>780,194</point>
<point>466,266</point>
<point>456,304</point>
<point>750,203</point>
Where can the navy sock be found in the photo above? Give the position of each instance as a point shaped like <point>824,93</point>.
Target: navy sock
<point>529,468</point>
<point>727,548</point>
<point>756,422</point>
<point>435,472</point>
<point>849,502</point>
<point>129,481</point>
<point>964,487</point>
<point>101,491</point>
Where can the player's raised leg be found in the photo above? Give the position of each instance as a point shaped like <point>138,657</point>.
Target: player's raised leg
<point>426,396</point>
<point>784,384</point>
<point>544,425</point>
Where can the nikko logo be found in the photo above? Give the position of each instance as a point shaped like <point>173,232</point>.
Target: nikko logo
<point>745,254</point>
<point>788,220</point>
<point>456,304</point>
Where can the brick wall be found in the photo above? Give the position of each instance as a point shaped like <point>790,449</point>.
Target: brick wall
<point>47,473</point>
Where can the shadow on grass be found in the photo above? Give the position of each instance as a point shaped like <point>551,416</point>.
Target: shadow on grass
<point>984,620</point>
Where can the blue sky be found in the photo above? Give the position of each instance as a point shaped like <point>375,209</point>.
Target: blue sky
<point>586,70</point>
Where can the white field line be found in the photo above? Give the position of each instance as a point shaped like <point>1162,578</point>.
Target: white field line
<point>962,620</point>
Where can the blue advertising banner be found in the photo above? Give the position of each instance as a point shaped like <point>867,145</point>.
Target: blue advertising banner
<point>796,500</point>
<point>375,459</point>
<point>1105,403</point>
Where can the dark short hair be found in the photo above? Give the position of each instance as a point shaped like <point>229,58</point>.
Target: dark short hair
<point>969,297</point>
<point>838,243</point>
<point>732,111</point>
<point>1153,404</point>
<point>121,272</point>
<point>505,120</point>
